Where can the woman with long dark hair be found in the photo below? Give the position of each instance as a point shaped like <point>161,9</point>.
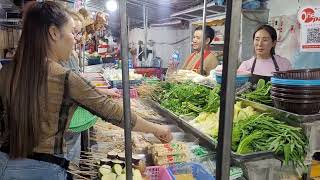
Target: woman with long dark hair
<point>37,93</point>
<point>265,60</point>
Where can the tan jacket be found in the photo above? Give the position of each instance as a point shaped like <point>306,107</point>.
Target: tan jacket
<point>79,91</point>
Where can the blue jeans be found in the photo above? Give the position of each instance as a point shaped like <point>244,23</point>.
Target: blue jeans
<point>28,169</point>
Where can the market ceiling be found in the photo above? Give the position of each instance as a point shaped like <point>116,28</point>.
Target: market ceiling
<point>159,11</point>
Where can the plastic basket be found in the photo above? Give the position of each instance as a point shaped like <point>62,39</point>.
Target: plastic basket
<point>82,120</point>
<point>240,80</point>
<point>94,60</point>
<point>294,82</point>
<point>133,93</point>
<point>198,172</point>
<point>158,173</point>
<point>118,83</point>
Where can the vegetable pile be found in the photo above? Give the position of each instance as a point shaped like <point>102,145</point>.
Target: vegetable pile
<point>117,172</point>
<point>261,94</point>
<point>208,123</point>
<point>189,98</point>
<point>254,132</point>
<point>264,133</point>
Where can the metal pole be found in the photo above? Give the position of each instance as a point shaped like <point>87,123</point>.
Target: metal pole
<point>83,50</point>
<point>125,85</point>
<point>203,46</point>
<point>230,57</point>
<point>145,26</point>
<point>129,24</point>
<point>191,36</point>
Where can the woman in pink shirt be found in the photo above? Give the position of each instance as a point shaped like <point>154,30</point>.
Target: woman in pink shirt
<point>265,62</point>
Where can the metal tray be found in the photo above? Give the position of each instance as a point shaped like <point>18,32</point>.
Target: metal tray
<point>256,156</point>
<point>291,118</point>
<point>183,137</point>
<point>174,128</point>
<point>203,139</point>
<point>208,142</point>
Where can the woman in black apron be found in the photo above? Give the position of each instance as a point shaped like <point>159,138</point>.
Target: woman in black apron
<point>265,38</point>
<point>255,78</point>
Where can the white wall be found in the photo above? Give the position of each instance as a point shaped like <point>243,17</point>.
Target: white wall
<point>288,7</point>
<point>163,37</point>
<point>288,43</point>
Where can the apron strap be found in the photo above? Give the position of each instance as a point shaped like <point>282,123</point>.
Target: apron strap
<point>190,58</point>
<point>2,118</point>
<point>253,65</point>
<point>63,116</point>
<point>275,63</point>
<point>205,55</point>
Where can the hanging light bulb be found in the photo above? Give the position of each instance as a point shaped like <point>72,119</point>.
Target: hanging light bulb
<point>112,5</point>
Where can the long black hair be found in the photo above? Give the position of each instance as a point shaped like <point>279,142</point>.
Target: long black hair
<point>28,82</point>
<point>272,32</point>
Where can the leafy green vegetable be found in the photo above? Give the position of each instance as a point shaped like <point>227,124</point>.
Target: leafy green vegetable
<point>247,144</point>
<point>189,98</point>
<point>261,94</point>
<point>263,132</point>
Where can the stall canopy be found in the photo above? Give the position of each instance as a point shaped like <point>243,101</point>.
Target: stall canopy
<point>159,12</point>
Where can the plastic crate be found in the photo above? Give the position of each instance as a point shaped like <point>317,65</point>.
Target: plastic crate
<point>149,72</point>
<point>133,93</point>
<point>158,173</point>
<point>118,83</point>
<point>240,80</point>
<point>94,60</point>
<point>198,172</point>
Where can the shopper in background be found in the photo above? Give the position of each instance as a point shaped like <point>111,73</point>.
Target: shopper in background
<point>36,95</point>
<point>193,61</point>
<point>265,61</point>
<point>73,139</point>
<point>73,62</point>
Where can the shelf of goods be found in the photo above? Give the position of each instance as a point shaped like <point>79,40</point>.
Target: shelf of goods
<point>253,163</point>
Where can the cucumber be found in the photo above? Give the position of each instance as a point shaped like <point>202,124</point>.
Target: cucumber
<point>117,169</point>
<point>137,175</point>
<point>110,176</point>
<point>104,171</point>
<point>125,170</point>
<point>121,177</point>
<point>106,167</point>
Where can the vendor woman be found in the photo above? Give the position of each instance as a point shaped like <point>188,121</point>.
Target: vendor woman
<point>37,94</point>
<point>265,62</point>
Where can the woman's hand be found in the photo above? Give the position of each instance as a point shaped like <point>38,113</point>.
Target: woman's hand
<point>110,92</point>
<point>163,133</point>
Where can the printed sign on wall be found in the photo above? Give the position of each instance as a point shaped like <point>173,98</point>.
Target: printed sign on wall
<point>309,18</point>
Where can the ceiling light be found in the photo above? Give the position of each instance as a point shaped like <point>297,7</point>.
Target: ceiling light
<point>111,5</point>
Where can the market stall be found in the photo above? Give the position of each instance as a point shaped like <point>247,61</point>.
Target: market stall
<point>193,113</point>
<point>223,127</point>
